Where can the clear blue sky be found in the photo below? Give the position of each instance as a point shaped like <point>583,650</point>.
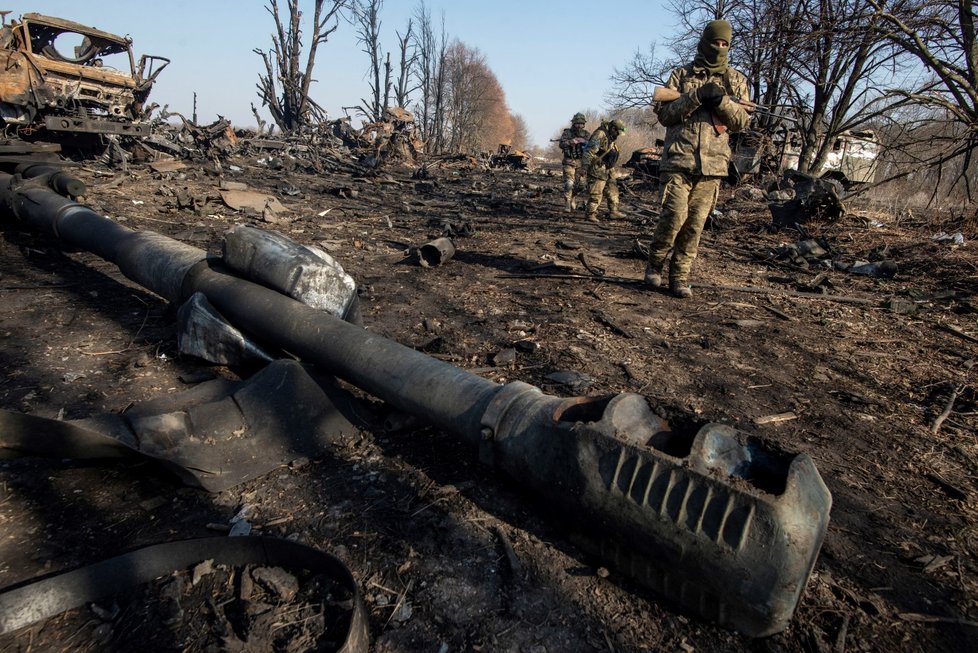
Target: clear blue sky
<point>552,58</point>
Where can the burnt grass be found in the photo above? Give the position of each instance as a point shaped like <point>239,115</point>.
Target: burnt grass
<point>423,526</point>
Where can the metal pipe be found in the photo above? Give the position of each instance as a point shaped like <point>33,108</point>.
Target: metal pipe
<point>151,260</point>
<point>717,523</point>
<point>445,395</point>
<point>58,179</point>
<point>436,252</point>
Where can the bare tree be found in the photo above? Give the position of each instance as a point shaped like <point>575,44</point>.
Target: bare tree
<point>759,49</point>
<point>291,107</point>
<point>763,49</point>
<point>941,35</point>
<point>823,58</point>
<point>429,72</point>
<point>762,40</point>
<point>693,16</point>
<point>365,15</point>
<point>520,139</point>
<point>403,85</point>
<point>837,74</point>
<point>633,84</point>
<point>477,118</point>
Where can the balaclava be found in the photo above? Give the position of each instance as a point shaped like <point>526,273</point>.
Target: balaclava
<point>709,56</point>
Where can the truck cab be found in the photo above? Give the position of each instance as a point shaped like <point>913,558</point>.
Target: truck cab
<point>62,76</point>
<point>851,161</point>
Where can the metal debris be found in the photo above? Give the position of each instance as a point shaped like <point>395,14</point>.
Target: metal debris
<point>436,252</point>
<point>815,200</point>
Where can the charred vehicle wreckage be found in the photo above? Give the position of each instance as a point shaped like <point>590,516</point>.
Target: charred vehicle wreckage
<point>66,87</point>
<point>61,76</point>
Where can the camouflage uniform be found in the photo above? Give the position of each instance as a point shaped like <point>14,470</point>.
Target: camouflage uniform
<point>572,142</point>
<point>696,158</point>
<point>600,158</point>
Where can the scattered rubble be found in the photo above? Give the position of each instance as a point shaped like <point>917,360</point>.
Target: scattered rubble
<point>801,199</point>
<point>477,312</point>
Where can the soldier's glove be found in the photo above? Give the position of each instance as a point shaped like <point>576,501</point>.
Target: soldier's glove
<point>710,95</point>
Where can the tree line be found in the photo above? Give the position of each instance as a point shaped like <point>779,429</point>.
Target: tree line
<point>458,103</point>
<point>905,69</point>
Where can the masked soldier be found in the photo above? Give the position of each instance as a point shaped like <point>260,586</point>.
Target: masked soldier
<point>572,142</point>
<point>697,153</point>
<point>600,158</point>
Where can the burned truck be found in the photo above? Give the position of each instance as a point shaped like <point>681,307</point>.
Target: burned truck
<point>61,76</point>
<point>508,157</point>
<point>645,161</point>
<point>851,161</point>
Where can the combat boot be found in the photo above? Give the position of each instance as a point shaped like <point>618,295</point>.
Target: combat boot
<point>615,214</point>
<point>652,276</point>
<point>592,216</point>
<point>679,288</point>
<point>569,203</point>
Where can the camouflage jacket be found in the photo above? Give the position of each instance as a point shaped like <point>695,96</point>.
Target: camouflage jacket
<point>600,154</point>
<point>572,144</point>
<point>693,142</point>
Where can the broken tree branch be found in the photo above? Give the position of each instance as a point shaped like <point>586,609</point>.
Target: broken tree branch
<point>935,619</point>
<point>608,322</point>
<point>936,426</point>
<point>781,314</point>
<point>748,289</point>
<point>557,275</point>
<point>596,271</point>
<point>949,488</point>
<point>950,328</point>
<point>511,558</point>
<point>789,293</point>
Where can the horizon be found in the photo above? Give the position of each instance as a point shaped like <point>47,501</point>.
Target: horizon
<point>529,47</point>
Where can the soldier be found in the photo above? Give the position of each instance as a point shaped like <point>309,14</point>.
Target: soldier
<point>697,153</point>
<point>572,142</point>
<point>600,157</point>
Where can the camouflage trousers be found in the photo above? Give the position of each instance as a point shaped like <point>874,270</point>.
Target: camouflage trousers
<point>598,188</point>
<point>686,203</point>
<point>572,179</point>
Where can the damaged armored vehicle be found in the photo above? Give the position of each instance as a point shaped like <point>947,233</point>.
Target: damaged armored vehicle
<point>851,161</point>
<point>61,76</point>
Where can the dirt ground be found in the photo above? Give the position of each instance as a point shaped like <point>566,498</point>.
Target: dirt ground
<point>865,370</point>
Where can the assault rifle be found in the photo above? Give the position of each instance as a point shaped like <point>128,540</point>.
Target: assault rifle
<point>665,94</point>
<point>577,140</point>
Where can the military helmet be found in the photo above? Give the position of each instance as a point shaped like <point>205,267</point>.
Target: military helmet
<point>618,124</point>
<point>578,118</point>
